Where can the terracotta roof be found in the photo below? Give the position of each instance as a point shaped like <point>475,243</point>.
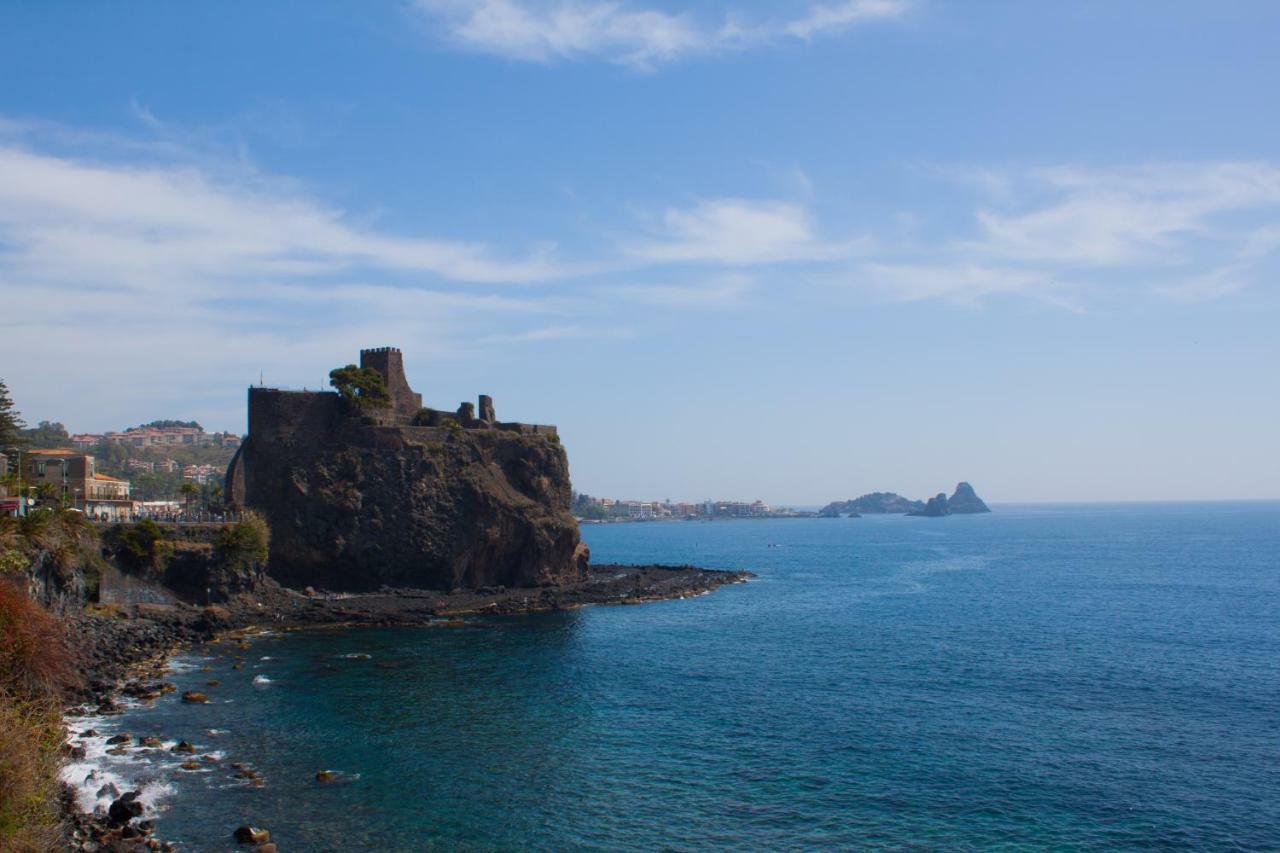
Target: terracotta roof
<point>98,476</point>
<point>58,451</point>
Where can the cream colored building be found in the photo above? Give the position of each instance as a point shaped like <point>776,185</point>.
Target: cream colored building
<point>73,477</point>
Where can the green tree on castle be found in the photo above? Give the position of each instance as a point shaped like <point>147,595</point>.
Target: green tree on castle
<point>362,387</point>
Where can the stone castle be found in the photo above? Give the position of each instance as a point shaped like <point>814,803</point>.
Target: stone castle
<point>277,413</point>
<point>406,494</point>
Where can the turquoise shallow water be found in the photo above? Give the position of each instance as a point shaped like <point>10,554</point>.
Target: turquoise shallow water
<point>1043,677</point>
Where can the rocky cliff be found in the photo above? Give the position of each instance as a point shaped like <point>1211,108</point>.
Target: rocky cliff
<point>353,506</point>
<point>359,496</point>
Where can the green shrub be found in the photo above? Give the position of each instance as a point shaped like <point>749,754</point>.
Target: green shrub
<point>246,541</point>
<point>142,545</point>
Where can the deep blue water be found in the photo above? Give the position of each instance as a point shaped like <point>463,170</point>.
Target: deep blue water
<point>1080,677</point>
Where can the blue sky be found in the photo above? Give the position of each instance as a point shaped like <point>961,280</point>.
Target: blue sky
<point>794,251</point>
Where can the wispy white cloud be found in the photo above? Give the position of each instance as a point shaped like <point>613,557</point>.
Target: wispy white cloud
<point>553,30</point>
<point>558,333</point>
<point>1124,216</point>
<point>139,224</point>
<point>832,18</point>
<point>737,232</point>
<point>1189,231</point>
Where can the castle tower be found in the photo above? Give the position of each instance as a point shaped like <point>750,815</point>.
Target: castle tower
<point>390,363</point>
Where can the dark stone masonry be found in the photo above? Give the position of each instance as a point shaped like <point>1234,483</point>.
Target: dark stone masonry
<point>405,496</point>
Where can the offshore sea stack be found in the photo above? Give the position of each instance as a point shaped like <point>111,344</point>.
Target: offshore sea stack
<point>965,501</point>
<point>363,496</point>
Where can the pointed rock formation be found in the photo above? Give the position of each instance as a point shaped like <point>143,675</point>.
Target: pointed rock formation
<point>935,508</point>
<point>966,501</point>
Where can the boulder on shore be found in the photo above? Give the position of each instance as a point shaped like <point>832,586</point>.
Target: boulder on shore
<point>125,809</point>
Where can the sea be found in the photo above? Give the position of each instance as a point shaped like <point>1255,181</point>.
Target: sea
<point>1065,677</point>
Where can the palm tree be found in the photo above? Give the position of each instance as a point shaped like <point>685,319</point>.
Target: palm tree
<point>46,493</point>
<point>188,489</point>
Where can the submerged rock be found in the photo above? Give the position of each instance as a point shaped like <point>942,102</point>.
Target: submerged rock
<point>251,835</point>
<point>194,697</point>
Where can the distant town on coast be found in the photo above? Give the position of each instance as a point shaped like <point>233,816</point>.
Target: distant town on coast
<point>596,510</point>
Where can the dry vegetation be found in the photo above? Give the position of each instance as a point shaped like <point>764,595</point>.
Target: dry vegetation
<point>35,670</point>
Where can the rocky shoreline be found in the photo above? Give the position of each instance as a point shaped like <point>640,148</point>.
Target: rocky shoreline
<point>125,653</point>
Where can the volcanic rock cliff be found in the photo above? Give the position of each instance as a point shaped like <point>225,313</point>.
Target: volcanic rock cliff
<point>357,502</point>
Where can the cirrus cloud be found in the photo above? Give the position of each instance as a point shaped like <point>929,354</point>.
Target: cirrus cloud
<point>548,31</point>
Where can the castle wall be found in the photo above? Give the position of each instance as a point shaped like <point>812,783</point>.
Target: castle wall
<point>276,415</point>
<point>279,420</point>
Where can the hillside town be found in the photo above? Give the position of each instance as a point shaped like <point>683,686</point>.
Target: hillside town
<point>95,473</point>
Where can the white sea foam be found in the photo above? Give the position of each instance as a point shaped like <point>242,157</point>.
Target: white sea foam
<point>356,656</point>
<point>261,680</point>
<point>187,663</point>
<point>98,770</point>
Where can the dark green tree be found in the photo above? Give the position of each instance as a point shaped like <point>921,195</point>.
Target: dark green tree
<point>362,387</point>
<point>47,434</point>
<point>166,424</point>
<point>11,423</point>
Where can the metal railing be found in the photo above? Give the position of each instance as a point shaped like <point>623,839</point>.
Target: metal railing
<point>193,517</point>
